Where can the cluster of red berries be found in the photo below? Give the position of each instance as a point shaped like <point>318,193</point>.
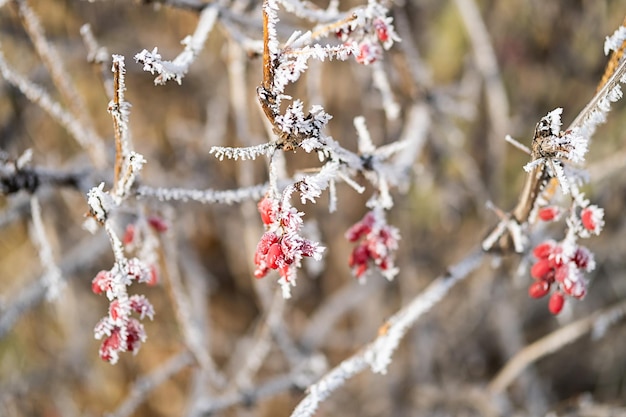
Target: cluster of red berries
<point>379,241</point>
<point>281,246</point>
<point>563,264</point>
<point>565,270</point>
<point>121,332</point>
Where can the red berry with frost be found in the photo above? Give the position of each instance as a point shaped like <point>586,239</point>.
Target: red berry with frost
<point>549,213</point>
<point>359,256</point>
<point>154,276</point>
<point>273,256</point>
<point>592,218</point>
<point>266,210</point>
<point>538,289</point>
<point>555,304</point>
<point>543,250</point>
<point>381,30</point>
<point>583,258</point>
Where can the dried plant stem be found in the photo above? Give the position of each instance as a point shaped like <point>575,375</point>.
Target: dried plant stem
<point>120,129</point>
<point>550,344</point>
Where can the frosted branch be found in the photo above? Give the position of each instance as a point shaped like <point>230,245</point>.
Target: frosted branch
<point>178,68</point>
<point>250,152</point>
<point>549,344</point>
<point>52,278</point>
<point>204,196</point>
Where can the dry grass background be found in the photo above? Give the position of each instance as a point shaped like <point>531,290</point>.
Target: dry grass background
<point>550,55</point>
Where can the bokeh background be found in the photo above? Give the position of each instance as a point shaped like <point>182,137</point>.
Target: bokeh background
<point>550,54</point>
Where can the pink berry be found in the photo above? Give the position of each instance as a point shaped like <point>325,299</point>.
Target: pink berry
<point>555,304</point>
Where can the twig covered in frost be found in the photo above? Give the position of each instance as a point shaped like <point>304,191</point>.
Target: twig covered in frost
<point>550,344</point>
<point>53,278</point>
<point>377,355</point>
<point>178,68</point>
<point>203,196</point>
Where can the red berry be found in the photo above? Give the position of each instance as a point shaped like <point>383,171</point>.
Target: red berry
<point>360,270</point>
<point>543,250</point>
<point>540,269</point>
<point>273,256</point>
<point>592,218</point>
<point>359,256</point>
<point>538,289</point>
<point>154,276</point>
<point>158,224</point>
<point>562,273</point>
<point>266,210</point>
<point>549,213</point>
<point>582,257</point>
<point>129,234</point>
<point>555,304</point>
<point>381,30</point>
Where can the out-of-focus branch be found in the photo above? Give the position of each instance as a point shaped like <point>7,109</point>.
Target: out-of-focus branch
<point>378,354</point>
<point>53,62</point>
<point>178,68</point>
<point>552,343</point>
<point>79,257</point>
<point>146,384</point>
<point>497,101</point>
<point>39,96</point>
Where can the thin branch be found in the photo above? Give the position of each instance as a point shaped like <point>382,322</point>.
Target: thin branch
<point>550,344</point>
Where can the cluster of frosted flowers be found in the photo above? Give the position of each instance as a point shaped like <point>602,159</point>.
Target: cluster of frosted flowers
<point>281,247</point>
<point>562,265</point>
<point>377,244</point>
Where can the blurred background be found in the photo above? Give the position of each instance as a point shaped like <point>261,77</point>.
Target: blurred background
<point>549,55</point>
